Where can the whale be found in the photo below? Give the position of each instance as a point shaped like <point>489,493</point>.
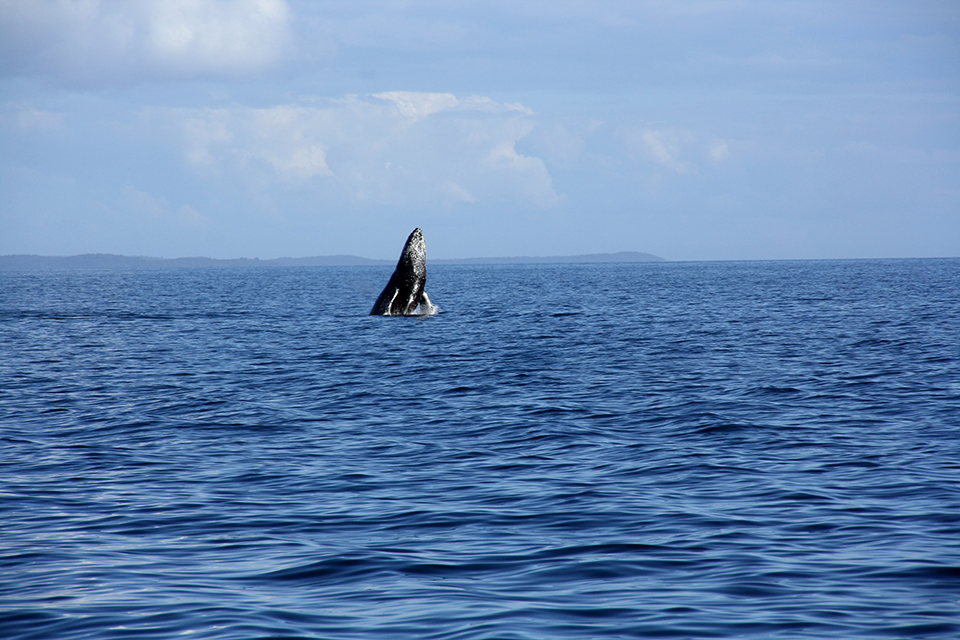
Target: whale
<point>404,292</point>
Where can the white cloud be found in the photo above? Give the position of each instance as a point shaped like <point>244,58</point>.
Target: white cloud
<point>97,41</point>
<point>394,148</point>
<point>666,147</point>
<point>419,105</point>
<point>416,105</point>
<point>145,208</point>
<point>27,119</point>
<point>286,137</point>
<point>561,147</point>
<point>531,175</point>
<point>719,150</point>
<point>675,149</point>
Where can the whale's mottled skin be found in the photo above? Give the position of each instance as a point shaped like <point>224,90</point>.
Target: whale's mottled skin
<point>404,293</point>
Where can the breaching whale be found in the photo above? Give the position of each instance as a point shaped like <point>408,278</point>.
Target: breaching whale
<point>404,293</point>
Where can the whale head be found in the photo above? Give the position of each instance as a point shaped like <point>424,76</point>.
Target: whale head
<point>414,254</point>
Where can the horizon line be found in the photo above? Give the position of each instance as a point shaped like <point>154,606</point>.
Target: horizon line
<point>113,259</point>
<point>106,260</point>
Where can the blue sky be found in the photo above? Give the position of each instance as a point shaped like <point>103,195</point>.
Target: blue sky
<point>694,130</point>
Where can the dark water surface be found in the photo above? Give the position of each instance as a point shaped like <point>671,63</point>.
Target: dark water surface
<point>665,450</point>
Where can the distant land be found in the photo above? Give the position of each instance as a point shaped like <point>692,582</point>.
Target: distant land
<point>111,261</point>
<point>622,256</point>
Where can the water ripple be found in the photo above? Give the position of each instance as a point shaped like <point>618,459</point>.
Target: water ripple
<point>686,450</point>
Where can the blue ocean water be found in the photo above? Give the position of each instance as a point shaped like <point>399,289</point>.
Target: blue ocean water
<point>655,450</point>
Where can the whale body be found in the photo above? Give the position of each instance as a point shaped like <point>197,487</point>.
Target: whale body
<point>404,292</point>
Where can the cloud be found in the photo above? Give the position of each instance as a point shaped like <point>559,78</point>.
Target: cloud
<point>151,210</point>
<point>419,105</point>
<point>90,42</point>
<point>678,150</point>
<point>719,150</point>
<point>398,148</point>
<point>665,147</point>
<point>27,119</point>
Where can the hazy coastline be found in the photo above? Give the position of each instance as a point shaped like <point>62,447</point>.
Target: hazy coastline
<point>113,261</point>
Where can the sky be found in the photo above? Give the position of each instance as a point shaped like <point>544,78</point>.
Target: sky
<point>690,129</point>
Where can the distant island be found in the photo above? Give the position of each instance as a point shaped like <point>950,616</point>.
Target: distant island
<point>111,261</point>
<point>622,256</point>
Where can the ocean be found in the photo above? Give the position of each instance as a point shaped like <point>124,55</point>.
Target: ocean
<point>646,450</point>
